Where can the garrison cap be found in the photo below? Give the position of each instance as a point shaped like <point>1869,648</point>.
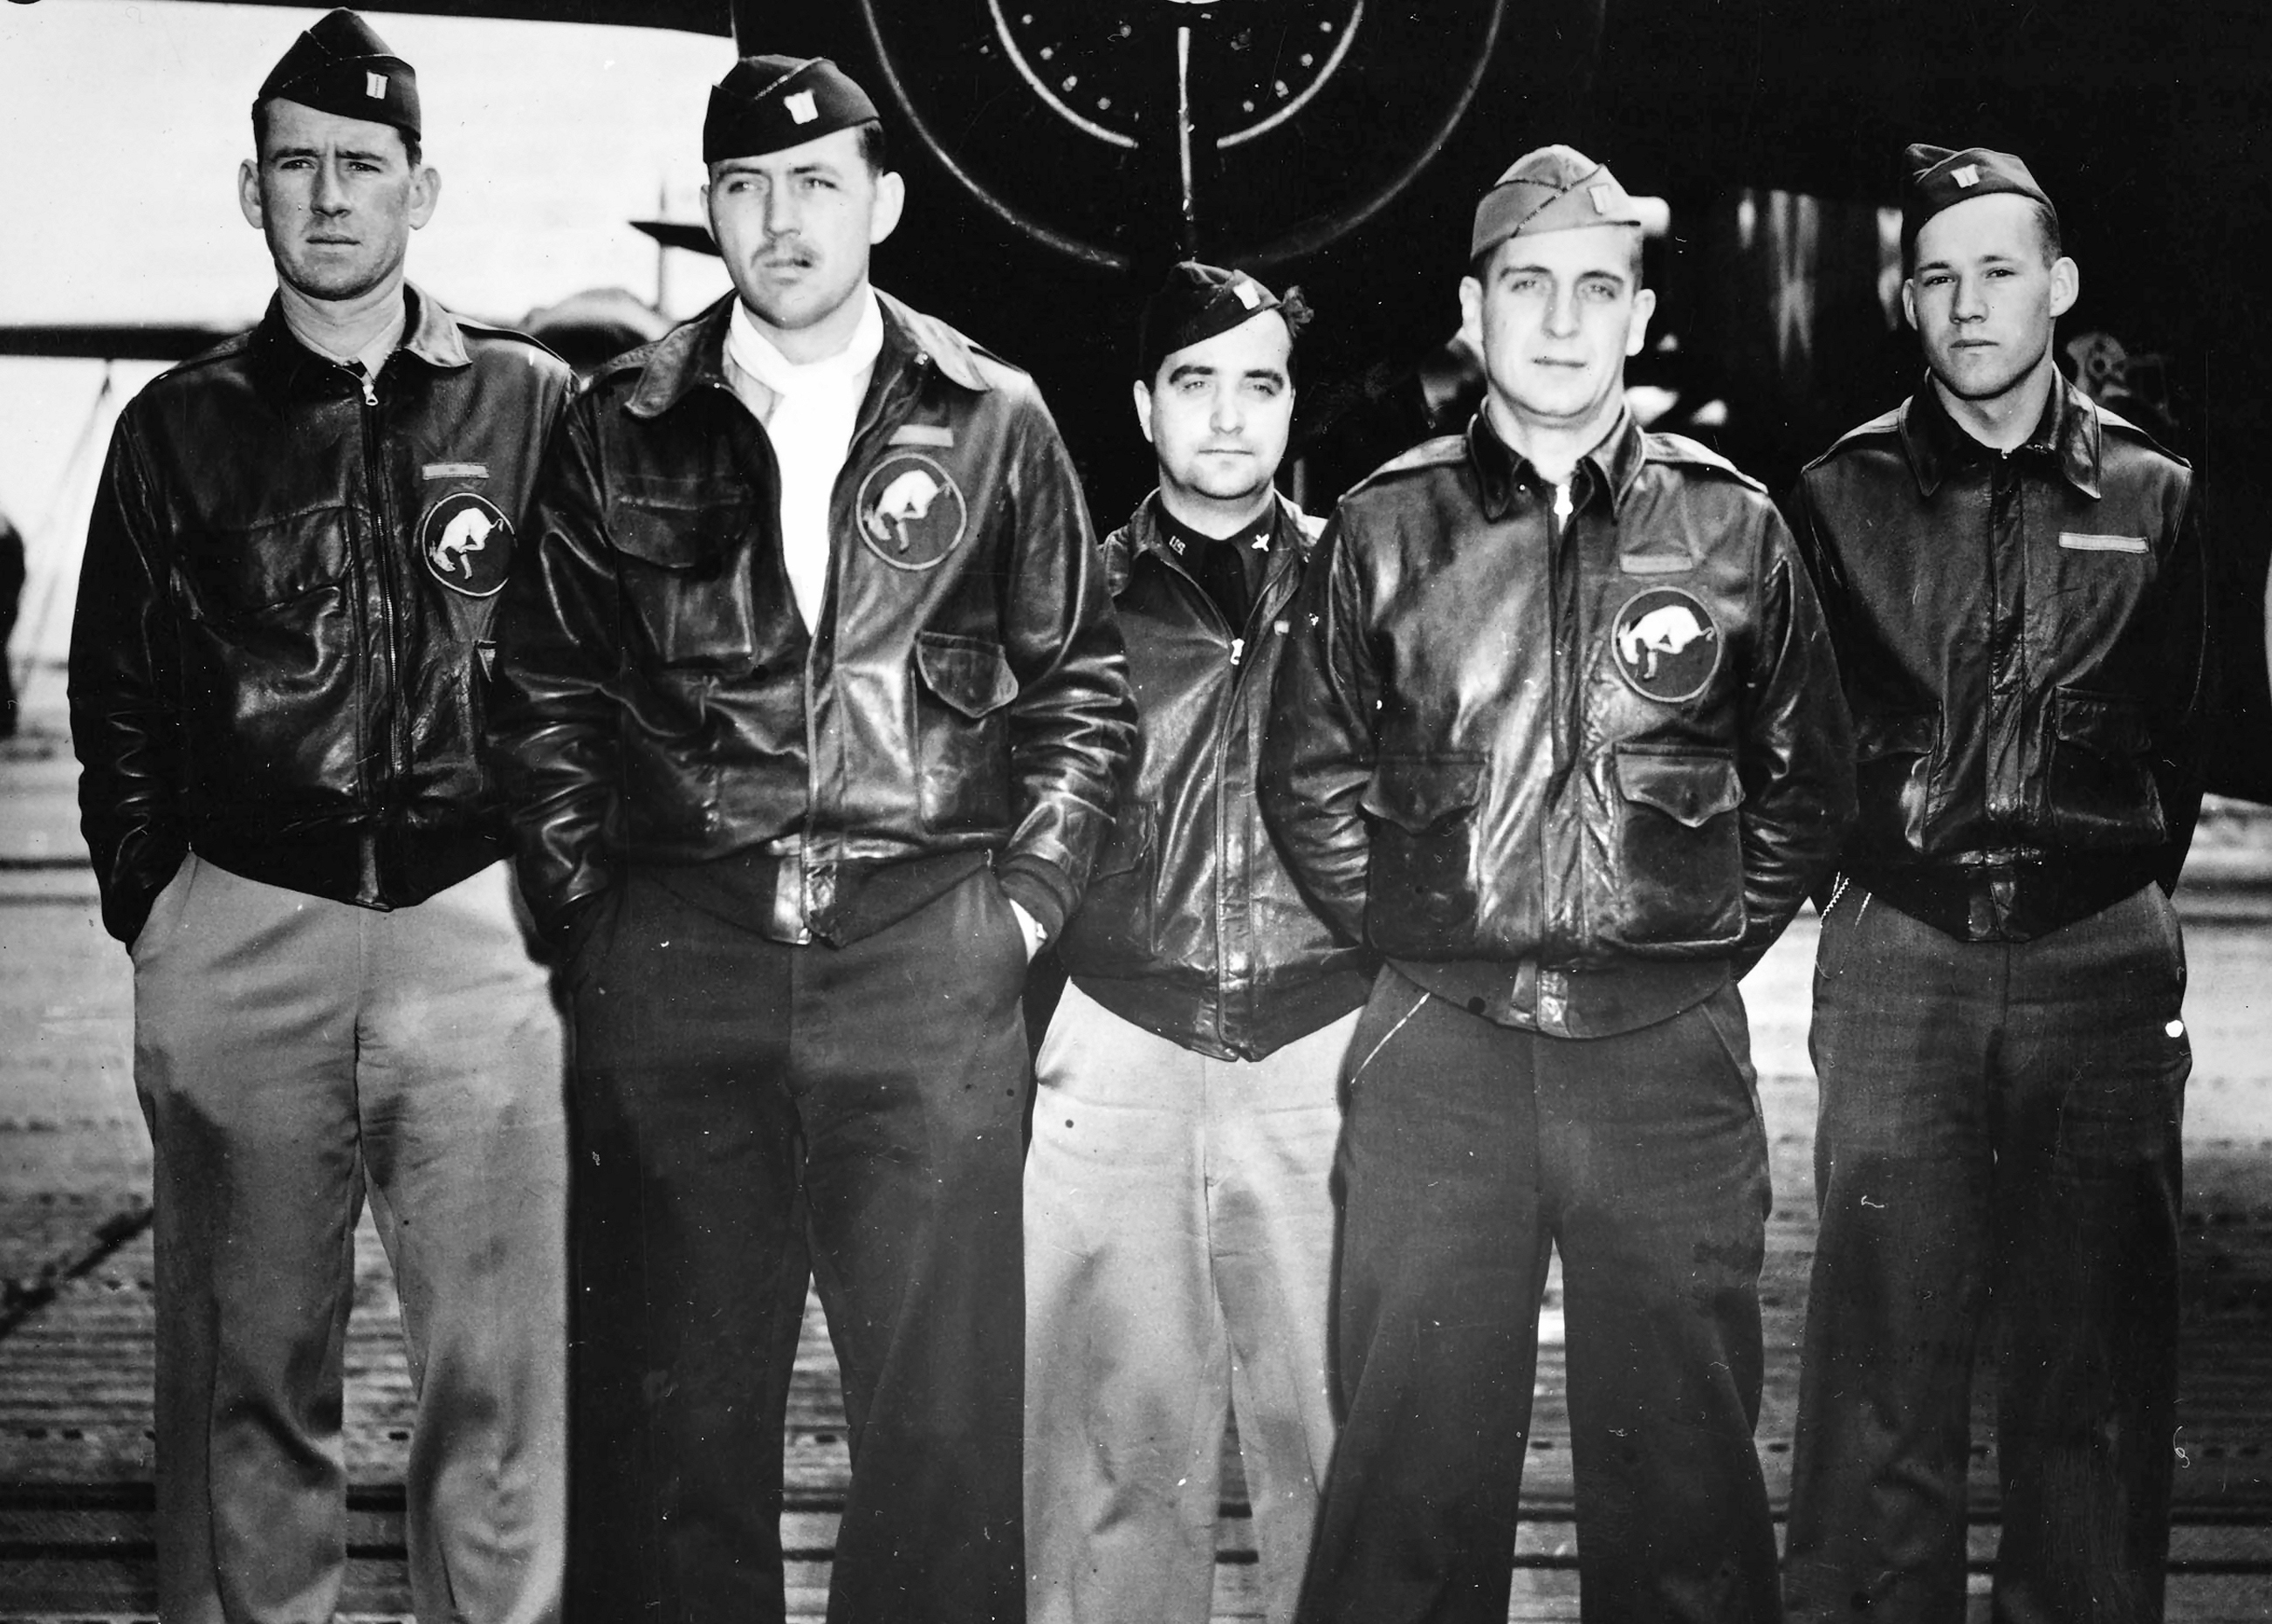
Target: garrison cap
<point>766,104</point>
<point>341,66</point>
<point>1198,302</point>
<point>1936,178</point>
<point>1553,189</point>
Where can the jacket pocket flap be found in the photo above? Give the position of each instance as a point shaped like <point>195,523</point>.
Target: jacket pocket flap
<point>1909,733</point>
<point>1417,793</point>
<point>2105,723</point>
<point>1689,787</point>
<point>676,538</point>
<point>968,673</point>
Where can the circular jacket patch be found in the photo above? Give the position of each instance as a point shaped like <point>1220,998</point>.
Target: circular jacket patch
<point>1666,645</point>
<point>911,512</point>
<point>467,543</point>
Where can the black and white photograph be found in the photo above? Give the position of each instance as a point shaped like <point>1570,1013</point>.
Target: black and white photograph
<point>1135,812</point>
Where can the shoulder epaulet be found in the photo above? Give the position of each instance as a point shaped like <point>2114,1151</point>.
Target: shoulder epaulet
<point>631,360</point>
<point>227,349</point>
<point>510,335</point>
<point>1119,561</point>
<point>1442,452</point>
<point>1885,423</point>
<point>1674,448</point>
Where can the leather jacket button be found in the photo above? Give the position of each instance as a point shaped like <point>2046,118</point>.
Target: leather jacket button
<point>820,887</point>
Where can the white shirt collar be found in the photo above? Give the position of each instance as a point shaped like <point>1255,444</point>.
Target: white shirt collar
<point>750,349</point>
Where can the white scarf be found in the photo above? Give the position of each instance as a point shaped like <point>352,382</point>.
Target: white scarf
<point>815,406</point>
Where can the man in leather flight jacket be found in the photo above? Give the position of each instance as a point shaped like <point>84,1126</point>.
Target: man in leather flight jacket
<point>1179,1217</point>
<point>274,678</point>
<point>2014,579</point>
<point>811,706</point>
<point>1559,735</point>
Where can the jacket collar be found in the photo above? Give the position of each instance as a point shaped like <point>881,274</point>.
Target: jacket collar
<point>2066,438</point>
<point>693,353</point>
<point>1611,467</point>
<point>431,333</point>
<point>1144,533</point>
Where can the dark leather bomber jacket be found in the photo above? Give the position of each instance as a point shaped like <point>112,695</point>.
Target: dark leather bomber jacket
<point>660,703</point>
<point>2024,641</point>
<point>1191,927</point>
<point>273,657</point>
<point>1572,771</point>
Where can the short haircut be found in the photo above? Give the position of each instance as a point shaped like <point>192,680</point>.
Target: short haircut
<point>2047,232</point>
<point>410,144</point>
<point>875,147</point>
<point>1479,267</point>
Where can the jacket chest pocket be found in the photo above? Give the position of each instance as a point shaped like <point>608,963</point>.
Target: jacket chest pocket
<point>683,571</point>
<point>1679,847</point>
<point>2097,786</point>
<point>1418,889</point>
<point>265,570</point>
<point>963,691</point>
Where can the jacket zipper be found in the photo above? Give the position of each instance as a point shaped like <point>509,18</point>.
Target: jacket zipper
<point>390,587</point>
<point>1565,685</point>
<point>1233,718</point>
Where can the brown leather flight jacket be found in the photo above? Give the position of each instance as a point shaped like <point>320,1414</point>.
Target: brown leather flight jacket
<point>273,659</point>
<point>659,702</point>
<point>2023,640</point>
<point>1191,927</point>
<point>1601,748</point>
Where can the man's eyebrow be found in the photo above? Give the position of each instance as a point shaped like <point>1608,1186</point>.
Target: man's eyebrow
<point>1189,369</point>
<point>1274,374</point>
<point>1606,273</point>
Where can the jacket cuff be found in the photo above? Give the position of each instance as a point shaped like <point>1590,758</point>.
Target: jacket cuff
<point>1041,889</point>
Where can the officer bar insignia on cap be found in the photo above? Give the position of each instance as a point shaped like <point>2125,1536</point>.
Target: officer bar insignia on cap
<point>766,104</point>
<point>1553,189</point>
<point>340,65</point>
<point>1196,303</point>
<point>1936,178</point>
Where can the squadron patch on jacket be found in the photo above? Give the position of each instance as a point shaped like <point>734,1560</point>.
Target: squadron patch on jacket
<point>1665,644</point>
<point>467,543</point>
<point>911,512</point>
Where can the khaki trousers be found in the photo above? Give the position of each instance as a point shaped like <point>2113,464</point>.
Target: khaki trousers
<point>1179,1236</point>
<point>293,1054</point>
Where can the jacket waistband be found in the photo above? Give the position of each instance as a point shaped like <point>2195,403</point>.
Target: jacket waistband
<point>2012,899</point>
<point>1593,1002</point>
<point>782,893</point>
<point>1199,1018</point>
<point>380,868</point>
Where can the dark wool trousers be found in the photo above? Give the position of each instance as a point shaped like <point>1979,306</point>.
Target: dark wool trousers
<point>744,1113</point>
<point>1999,1128</point>
<point>1468,1150</point>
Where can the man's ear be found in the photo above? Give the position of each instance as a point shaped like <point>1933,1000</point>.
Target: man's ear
<point>1908,301</point>
<point>891,201</point>
<point>1637,329</point>
<point>248,194</point>
<point>2066,285</point>
<point>425,192</point>
<point>1142,394</point>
